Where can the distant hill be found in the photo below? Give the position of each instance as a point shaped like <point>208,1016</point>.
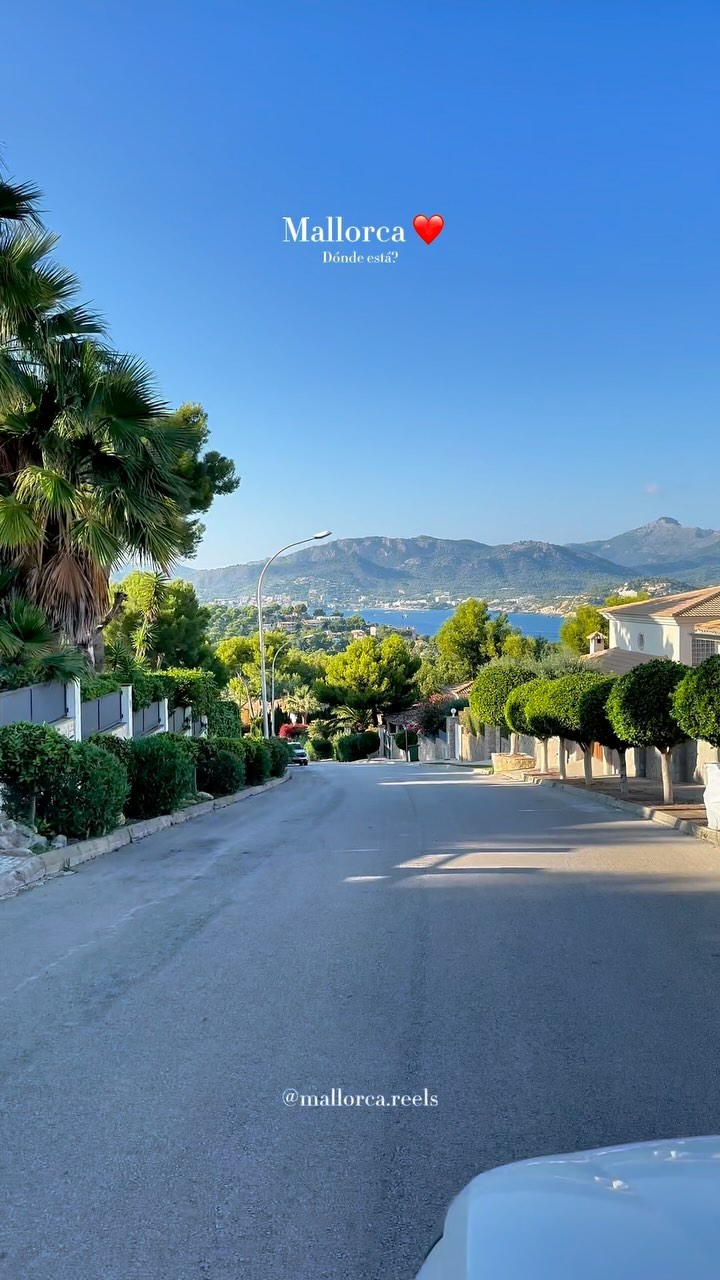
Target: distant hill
<point>385,568</point>
<point>664,547</point>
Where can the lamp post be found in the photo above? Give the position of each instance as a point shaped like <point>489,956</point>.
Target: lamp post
<point>286,645</point>
<point>315,537</point>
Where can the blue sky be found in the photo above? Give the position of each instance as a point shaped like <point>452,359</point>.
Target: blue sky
<point>547,368</point>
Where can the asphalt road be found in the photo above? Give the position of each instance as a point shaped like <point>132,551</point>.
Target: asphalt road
<point>547,968</point>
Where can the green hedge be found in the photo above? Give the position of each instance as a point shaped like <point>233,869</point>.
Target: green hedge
<point>319,748</point>
<point>406,739</point>
<point>280,756</point>
<point>224,719</point>
<point>257,761</point>
<point>96,686</point>
<point>192,687</point>
<point>220,772</point>
<point>355,746</point>
<point>161,776</point>
<point>88,794</point>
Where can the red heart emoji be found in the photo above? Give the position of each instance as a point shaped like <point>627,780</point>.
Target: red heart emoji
<point>428,228</point>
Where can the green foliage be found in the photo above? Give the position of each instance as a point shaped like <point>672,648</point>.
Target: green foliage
<point>432,715</point>
<point>223,719</point>
<point>257,760</point>
<point>319,749</point>
<point>492,688</point>
<point>220,772</point>
<point>205,474</point>
<point>355,746</point>
<point>95,685</point>
<point>560,703</point>
<point>32,757</point>
<point>515,714</point>
<point>640,705</point>
<point>88,794</point>
<point>594,714</point>
<point>471,638</point>
<point>192,687</point>
<point>405,739</point>
<point>575,632</point>
<point>119,748</point>
<point>191,746</point>
<point>696,702</point>
<point>371,674</point>
<point>280,756</point>
<point>161,776</point>
<point>31,650</point>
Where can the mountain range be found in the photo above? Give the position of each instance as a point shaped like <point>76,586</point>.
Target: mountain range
<point>421,567</point>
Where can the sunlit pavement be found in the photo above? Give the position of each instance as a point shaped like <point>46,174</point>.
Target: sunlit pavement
<point>545,967</point>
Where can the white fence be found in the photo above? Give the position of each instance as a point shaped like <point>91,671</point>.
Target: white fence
<point>61,706</point>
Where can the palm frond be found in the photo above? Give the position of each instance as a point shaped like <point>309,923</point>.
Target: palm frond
<point>18,526</point>
<point>46,491</point>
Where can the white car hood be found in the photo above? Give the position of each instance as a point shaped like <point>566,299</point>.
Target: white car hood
<point>650,1211</point>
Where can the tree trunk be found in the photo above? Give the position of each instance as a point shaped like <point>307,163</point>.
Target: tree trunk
<point>544,755</point>
<point>514,743</point>
<point>666,766</point>
<point>587,764</point>
<point>622,760</point>
<point>561,759</point>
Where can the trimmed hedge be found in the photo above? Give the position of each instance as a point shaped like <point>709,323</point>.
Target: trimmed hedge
<point>161,776</point>
<point>220,772</point>
<point>88,795</point>
<point>355,746</point>
<point>257,761</point>
<point>319,749</point>
<point>280,755</point>
<point>405,739</point>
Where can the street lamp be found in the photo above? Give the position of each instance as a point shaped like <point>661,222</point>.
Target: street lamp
<point>286,645</point>
<point>315,537</point>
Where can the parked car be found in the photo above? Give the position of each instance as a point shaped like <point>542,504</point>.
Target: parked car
<point>630,1212</point>
<point>299,754</point>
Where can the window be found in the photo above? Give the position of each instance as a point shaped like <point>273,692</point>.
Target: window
<point>703,648</point>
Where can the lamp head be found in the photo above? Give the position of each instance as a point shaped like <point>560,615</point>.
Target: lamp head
<point>318,536</point>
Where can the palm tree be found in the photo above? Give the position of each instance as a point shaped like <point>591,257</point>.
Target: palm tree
<point>89,456</point>
<point>302,702</point>
<point>31,651</point>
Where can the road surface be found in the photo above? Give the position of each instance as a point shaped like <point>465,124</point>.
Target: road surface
<point>545,967</point>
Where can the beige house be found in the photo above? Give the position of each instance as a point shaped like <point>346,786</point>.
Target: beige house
<point>685,627</point>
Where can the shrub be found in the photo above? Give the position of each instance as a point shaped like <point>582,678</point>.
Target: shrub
<point>220,772</point>
<point>32,756</point>
<point>161,776</point>
<point>191,746</point>
<point>370,742</point>
<point>319,749</point>
<point>292,730</point>
<point>405,739</point>
<point>223,719</point>
<point>280,754</point>
<point>355,746</point>
<point>696,702</point>
<point>117,747</point>
<point>88,794</point>
<point>433,714</point>
<point>257,761</point>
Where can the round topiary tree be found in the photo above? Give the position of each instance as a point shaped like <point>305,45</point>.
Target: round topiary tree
<point>696,702</point>
<point>563,706</point>
<point>405,739</point>
<point>523,714</point>
<point>594,714</point>
<point>491,690</point>
<point>640,709</point>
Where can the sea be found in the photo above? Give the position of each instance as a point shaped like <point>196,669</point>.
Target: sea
<point>427,622</point>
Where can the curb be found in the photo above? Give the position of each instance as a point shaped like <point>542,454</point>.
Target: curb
<point>694,829</point>
<point>55,861</point>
